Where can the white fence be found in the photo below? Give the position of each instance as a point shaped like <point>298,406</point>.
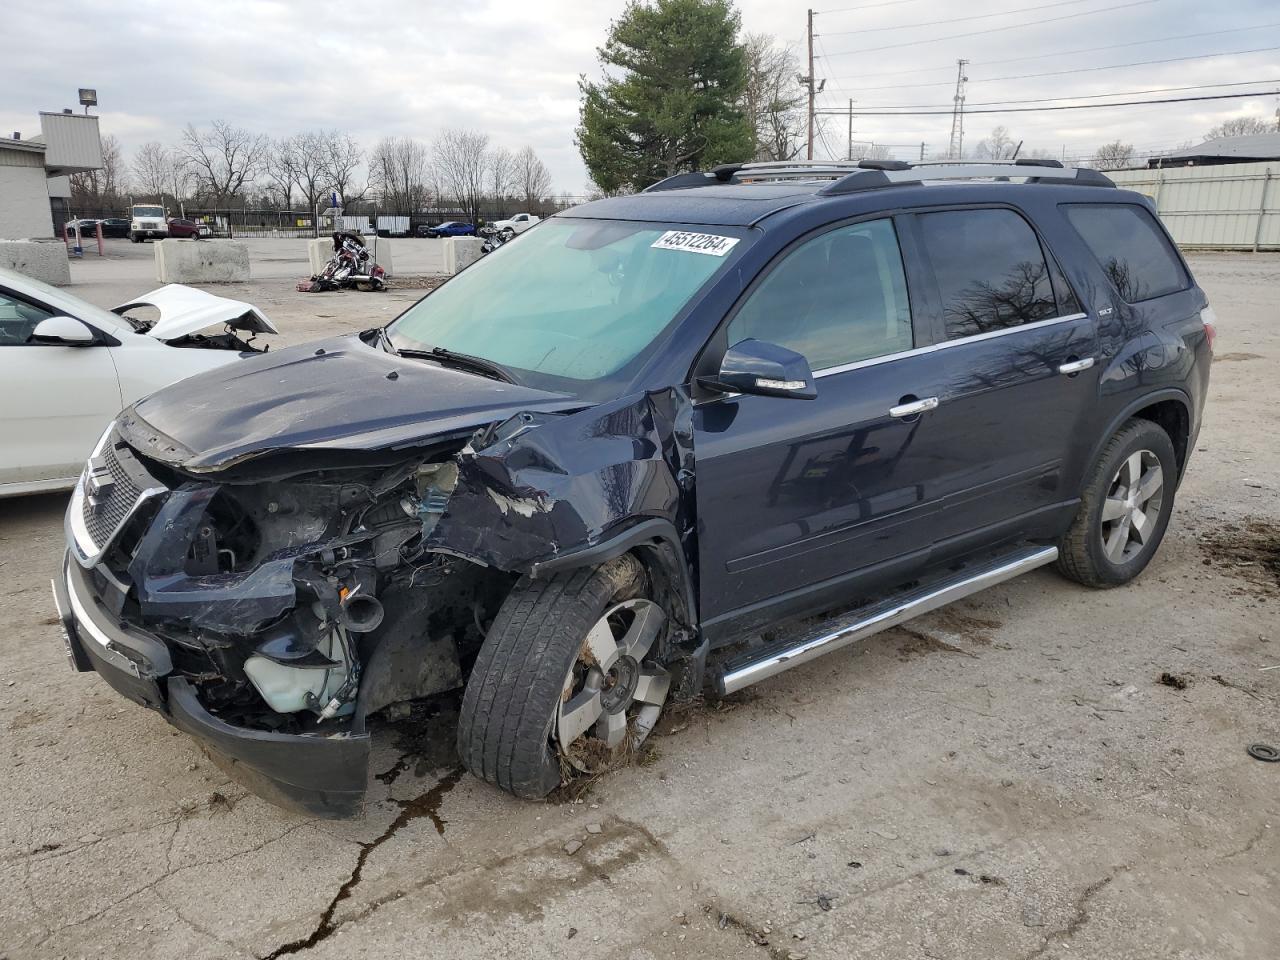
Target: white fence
<point>1232,206</point>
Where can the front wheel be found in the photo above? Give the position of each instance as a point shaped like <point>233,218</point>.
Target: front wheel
<point>507,234</point>
<point>567,679</point>
<point>1124,510</point>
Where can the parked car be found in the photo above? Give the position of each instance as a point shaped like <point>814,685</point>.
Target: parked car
<point>578,475</point>
<point>511,226</point>
<point>67,366</point>
<point>188,229</point>
<point>450,228</point>
<point>115,227</point>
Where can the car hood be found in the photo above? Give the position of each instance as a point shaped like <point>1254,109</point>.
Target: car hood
<point>337,394</point>
<point>185,310</point>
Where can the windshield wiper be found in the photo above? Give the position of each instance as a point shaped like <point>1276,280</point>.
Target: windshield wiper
<point>475,364</point>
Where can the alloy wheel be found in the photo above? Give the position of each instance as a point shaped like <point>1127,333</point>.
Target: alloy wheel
<point>612,695</point>
<point>1132,508</point>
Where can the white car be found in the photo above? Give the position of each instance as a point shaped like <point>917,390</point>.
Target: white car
<point>517,224</point>
<point>67,367</point>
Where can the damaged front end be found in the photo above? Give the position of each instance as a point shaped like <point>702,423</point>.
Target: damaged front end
<point>270,604</point>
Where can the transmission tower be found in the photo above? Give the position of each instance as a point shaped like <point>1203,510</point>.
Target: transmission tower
<point>955,150</point>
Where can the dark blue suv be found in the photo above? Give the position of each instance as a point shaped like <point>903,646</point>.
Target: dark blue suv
<point>580,477</point>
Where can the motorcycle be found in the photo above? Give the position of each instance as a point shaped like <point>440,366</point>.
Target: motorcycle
<point>491,239</point>
<point>351,266</point>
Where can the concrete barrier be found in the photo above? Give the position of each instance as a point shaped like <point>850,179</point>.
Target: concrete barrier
<point>201,261</point>
<point>461,252</point>
<point>42,259</point>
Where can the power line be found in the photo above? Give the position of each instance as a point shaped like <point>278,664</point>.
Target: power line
<point>1015,26</point>
<point>977,16</point>
<point>1091,96</point>
<point>1059,73</point>
<point>1047,56</point>
<point>1078,106</point>
<point>867,6</point>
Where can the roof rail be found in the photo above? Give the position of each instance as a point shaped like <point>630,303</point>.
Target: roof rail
<point>873,174</point>
<point>849,176</point>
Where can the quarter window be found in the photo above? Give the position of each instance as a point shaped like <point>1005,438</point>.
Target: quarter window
<point>838,298</point>
<point>17,320</point>
<point>990,270</point>
<point>1131,247</point>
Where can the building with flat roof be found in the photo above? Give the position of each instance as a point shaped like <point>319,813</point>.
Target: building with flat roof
<point>1246,149</point>
<point>35,173</point>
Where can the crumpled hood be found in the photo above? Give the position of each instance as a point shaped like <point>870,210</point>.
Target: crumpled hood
<point>185,310</point>
<point>336,394</point>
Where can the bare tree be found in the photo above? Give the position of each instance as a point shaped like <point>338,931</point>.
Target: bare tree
<point>281,173</point>
<point>158,171</point>
<point>398,171</point>
<point>99,189</point>
<point>462,164</point>
<point>502,169</point>
<point>342,159</point>
<point>772,100</point>
<point>1115,155</point>
<point>225,159</point>
<point>532,178</point>
<point>1241,127</point>
<point>998,146</point>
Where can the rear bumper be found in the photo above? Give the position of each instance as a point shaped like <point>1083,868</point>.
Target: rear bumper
<point>319,776</point>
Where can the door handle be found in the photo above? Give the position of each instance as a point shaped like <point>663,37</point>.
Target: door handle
<point>1076,366</point>
<point>914,407</point>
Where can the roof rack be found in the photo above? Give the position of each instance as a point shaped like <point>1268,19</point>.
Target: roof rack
<point>853,176</point>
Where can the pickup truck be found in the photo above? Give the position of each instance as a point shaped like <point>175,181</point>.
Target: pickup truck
<point>518,224</point>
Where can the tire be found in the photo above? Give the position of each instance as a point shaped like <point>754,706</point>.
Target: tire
<point>507,234</point>
<point>1106,545</point>
<point>525,671</point>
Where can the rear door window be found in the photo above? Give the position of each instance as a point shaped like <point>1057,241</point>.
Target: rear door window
<point>1132,249</point>
<point>990,270</point>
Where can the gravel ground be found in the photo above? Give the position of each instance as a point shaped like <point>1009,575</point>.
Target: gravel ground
<point>1038,772</point>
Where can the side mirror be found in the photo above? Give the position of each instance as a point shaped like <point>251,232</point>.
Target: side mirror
<point>765,369</point>
<point>63,330</point>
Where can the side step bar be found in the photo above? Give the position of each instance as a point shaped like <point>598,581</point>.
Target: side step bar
<point>758,664</point>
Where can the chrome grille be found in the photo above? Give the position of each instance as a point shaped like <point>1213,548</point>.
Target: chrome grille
<point>109,497</point>
<point>114,485</point>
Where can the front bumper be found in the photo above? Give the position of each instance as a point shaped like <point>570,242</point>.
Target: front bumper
<point>319,776</point>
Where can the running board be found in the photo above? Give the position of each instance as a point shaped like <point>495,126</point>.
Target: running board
<point>763,662</point>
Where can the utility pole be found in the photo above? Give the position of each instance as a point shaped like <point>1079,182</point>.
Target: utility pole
<point>922,151</point>
<point>955,150</point>
<point>850,156</point>
<point>809,83</point>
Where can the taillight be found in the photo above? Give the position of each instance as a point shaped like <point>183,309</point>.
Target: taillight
<point>1210,321</point>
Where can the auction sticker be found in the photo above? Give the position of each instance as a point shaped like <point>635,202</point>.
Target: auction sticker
<point>708,243</point>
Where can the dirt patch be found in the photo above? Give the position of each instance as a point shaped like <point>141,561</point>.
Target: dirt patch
<point>915,643</point>
<point>1236,357</point>
<point>973,628</point>
<point>1177,681</point>
<point>1248,551</point>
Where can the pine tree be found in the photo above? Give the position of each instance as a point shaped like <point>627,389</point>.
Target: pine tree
<point>674,105</point>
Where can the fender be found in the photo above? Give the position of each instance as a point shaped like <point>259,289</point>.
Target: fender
<point>659,536</point>
<point>1138,403</point>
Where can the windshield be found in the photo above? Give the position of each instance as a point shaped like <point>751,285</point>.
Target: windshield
<point>570,302</point>
<point>148,211</point>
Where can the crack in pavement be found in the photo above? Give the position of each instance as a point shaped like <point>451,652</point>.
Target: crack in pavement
<point>1079,914</point>
<point>426,804</point>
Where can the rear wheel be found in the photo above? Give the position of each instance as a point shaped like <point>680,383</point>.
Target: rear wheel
<point>567,679</point>
<point>1125,509</point>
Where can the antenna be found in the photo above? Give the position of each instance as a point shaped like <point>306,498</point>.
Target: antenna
<point>955,150</point>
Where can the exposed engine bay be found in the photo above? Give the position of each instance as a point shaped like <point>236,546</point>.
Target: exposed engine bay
<point>271,579</point>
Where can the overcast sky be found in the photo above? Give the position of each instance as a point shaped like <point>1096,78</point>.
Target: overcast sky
<point>510,69</point>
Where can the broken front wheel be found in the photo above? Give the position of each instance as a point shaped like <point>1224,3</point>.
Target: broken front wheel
<point>567,679</point>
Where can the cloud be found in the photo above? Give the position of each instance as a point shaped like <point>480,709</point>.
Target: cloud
<point>511,69</point>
